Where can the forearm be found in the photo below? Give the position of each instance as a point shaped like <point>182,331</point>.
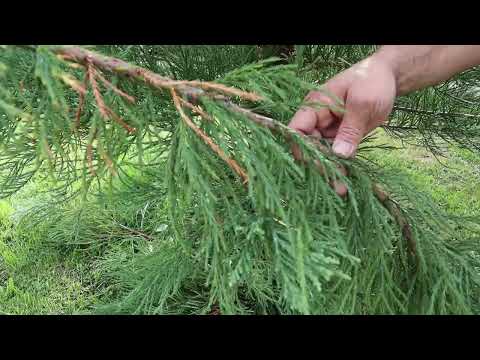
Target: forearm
<point>418,66</point>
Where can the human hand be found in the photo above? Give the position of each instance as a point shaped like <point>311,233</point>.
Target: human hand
<point>367,90</point>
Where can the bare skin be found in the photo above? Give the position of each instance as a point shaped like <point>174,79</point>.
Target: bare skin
<point>369,88</point>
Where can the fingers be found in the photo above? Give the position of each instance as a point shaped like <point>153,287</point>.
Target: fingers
<point>369,98</point>
<point>369,102</point>
<point>309,121</point>
<point>304,121</point>
<point>350,134</point>
<point>325,114</point>
<point>323,122</point>
<point>330,132</point>
<point>319,123</point>
<point>363,114</point>
<point>339,187</point>
<point>307,118</point>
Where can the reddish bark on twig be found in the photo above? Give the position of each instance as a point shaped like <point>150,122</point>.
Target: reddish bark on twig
<point>230,162</point>
<point>109,163</point>
<point>81,103</point>
<point>115,89</point>
<point>120,67</point>
<point>196,109</point>
<point>105,111</point>
<point>90,158</point>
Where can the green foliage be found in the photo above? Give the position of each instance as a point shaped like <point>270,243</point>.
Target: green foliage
<point>187,62</point>
<point>191,236</point>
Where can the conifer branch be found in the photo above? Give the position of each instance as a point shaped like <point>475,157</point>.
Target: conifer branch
<point>81,103</point>
<point>73,83</point>
<point>115,89</point>
<point>281,248</point>
<point>89,151</point>
<point>385,199</point>
<point>105,111</point>
<point>217,87</point>
<point>196,109</point>
<point>435,113</point>
<point>397,213</point>
<point>120,67</point>
<point>136,232</point>
<point>195,89</point>
<point>231,162</point>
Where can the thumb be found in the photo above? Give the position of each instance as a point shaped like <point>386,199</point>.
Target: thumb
<point>350,134</point>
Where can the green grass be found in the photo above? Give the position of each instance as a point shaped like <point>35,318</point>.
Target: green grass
<point>36,280</point>
<point>37,277</point>
<point>452,180</point>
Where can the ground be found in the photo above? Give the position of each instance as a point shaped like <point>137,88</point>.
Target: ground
<point>34,280</point>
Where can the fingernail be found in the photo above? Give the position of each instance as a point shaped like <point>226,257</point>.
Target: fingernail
<point>343,149</point>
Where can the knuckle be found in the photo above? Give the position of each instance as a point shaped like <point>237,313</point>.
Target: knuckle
<point>352,132</point>
<point>373,105</point>
<point>317,96</point>
<point>303,120</point>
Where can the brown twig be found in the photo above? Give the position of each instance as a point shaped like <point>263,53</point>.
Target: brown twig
<point>256,118</point>
<point>105,111</point>
<point>136,232</point>
<point>107,160</point>
<point>120,121</point>
<point>96,93</point>
<point>397,213</point>
<point>217,87</point>
<point>90,158</point>
<point>81,103</point>
<point>73,83</point>
<point>120,67</point>
<point>115,89</point>
<point>80,89</point>
<point>182,85</point>
<point>196,109</point>
<point>231,162</point>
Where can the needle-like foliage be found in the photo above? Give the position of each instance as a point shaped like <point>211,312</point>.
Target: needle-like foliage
<point>235,225</point>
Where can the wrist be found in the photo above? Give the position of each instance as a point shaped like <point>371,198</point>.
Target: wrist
<point>390,59</point>
<point>388,65</point>
<point>418,66</point>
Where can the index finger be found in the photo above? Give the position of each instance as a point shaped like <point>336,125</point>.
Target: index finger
<point>304,121</point>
